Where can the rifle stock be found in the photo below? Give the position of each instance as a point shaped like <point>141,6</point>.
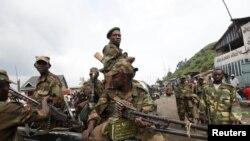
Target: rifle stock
<point>98,56</point>
<point>92,96</point>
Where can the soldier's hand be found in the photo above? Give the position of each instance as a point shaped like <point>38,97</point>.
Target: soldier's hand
<point>140,123</point>
<point>85,135</point>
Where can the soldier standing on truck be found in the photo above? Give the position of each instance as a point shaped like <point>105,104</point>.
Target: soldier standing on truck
<point>112,53</point>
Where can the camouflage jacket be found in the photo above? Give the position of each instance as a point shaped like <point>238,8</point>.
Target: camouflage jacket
<point>221,104</point>
<point>185,93</point>
<point>199,90</point>
<point>138,97</point>
<point>183,90</point>
<point>111,54</point>
<point>13,115</point>
<point>52,86</point>
<point>86,89</point>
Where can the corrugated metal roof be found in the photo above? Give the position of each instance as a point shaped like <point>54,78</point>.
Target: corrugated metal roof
<point>30,84</point>
<point>233,33</point>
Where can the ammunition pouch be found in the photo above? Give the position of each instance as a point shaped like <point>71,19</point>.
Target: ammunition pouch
<point>121,129</point>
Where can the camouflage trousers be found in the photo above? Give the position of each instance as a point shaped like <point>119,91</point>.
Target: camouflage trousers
<point>181,109</point>
<point>189,112</point>
<point>192,114</point>
<point>100,134</point>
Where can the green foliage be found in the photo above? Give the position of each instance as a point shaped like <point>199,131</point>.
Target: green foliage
<point>200,62</point>
<point>160,82</point>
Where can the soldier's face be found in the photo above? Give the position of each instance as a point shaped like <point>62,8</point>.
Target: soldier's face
<point>218,76</point>
<point>118,80</point>
<point>42,66</point>
<point>115,37</point>
<point>4,90</point>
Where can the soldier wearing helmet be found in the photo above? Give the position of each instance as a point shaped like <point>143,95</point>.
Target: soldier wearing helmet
<point>14,114</point>
<point>122,88</point>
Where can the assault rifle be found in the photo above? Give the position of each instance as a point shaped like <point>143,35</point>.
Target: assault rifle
<point>93,95</point>
<point>161,124</point>
<point>53,110</point>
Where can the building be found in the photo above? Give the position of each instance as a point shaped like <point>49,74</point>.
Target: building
<point>233,50</point>
<point>29,86</point>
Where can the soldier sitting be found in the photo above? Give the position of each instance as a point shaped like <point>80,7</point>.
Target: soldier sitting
<point>50,85</point>
<point>14,114</point>
<point>122,88</point>
<point>89,93</point>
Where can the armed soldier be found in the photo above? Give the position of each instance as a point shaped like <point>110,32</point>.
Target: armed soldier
<point>187,101</point>
<point>50,85</point>
<point>199,91</point>
<point>106,112</point>
<point>180,103</point>
<point>220,99</point>
<point>90,93</point>
<point>112,53</point>
<point>14,114</point>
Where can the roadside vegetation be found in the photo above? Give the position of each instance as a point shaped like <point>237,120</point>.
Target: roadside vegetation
<point>202,61</point>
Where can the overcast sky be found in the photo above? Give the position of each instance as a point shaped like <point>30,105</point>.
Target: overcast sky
<point>159,33</point>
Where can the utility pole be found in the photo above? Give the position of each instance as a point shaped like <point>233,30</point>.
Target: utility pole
<point>227,9</point>
<point>18,80</point>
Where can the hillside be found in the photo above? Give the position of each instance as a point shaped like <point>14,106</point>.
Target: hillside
<point>200,62</point>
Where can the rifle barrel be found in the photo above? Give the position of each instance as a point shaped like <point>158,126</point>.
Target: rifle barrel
<point>53,110</point>
<point>165,119</point>
<point>176,132</point>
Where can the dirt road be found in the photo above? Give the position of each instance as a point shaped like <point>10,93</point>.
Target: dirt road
<point>167,108</point>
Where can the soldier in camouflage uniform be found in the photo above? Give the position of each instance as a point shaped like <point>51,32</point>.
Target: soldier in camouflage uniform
<point>220,99</point>
<point>199,88</point>
<point>199,91</point>
<point>187,102</point>
<point>50,85</point>
<point>14,114</point>
<point>112,52</point>
<point>122,89</point>
<point>179,95</point>
<point>86,93</point>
